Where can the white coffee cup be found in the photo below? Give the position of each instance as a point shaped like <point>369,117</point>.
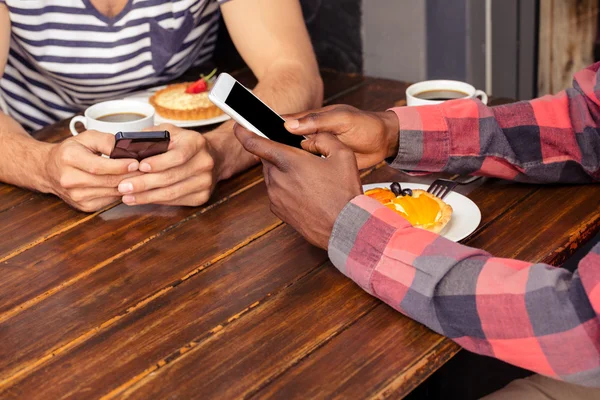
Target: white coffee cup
<point>441,85</point>
<point>91,115</point>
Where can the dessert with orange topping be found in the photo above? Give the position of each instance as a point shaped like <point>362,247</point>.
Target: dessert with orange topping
<point>423,210</point>
<point>186,101</point>
<point>382,195</point>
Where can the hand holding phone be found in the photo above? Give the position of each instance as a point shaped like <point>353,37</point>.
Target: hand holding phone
<point>250,112</point>
<point>140,145</point>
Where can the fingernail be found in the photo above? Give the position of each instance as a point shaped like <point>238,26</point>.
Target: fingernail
<point>133,166</point>
<point>125,187</point>
<point>129,199</point>
<point>293,124</point>
<point>144,167</point>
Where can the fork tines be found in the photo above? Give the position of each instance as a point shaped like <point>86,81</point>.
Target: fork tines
<point>441,187</point>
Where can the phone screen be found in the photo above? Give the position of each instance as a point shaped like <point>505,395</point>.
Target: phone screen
<point>260,116</point>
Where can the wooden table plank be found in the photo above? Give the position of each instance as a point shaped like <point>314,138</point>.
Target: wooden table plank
<point>547,227</point>
<point>373,95</point>
<point>122,285</point>
<point>60,261</point>
<point>361,357</point>
<point>253,350</point>
<point>34,221</point>
<point>12,196</point>
<point>337,85</point>
<point>196,309</point>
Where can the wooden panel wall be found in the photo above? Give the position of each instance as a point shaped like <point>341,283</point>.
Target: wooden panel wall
<point>567,36</point>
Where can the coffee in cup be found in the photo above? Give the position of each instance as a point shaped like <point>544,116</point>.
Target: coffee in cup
<point>121,117</point>
<point>116,116</point>
<point>438,91</point>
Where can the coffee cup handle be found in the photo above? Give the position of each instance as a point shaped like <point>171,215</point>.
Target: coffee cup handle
<point>482,95</point>
<point>75,120</point>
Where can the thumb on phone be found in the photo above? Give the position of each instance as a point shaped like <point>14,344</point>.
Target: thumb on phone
<point>97,142</point>
<point>332,121</point>
<point>87,156</point>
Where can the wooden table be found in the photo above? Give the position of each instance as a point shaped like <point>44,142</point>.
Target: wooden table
<point>225,300</point>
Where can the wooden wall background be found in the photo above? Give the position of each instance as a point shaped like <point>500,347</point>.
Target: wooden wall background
<point>567,36</point>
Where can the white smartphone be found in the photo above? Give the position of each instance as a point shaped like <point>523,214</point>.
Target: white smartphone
<point>250,112</point>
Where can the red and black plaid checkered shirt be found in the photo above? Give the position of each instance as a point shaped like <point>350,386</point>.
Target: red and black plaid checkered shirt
<point>538,317</point>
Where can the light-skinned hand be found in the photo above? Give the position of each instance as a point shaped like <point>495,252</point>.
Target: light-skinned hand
<point>76,172</point>
<point>185,175</point>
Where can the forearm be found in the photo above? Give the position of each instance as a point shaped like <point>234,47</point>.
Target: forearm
<point>548,140</point>
<point>22,157</point>
<point>271,37</point>
<point>527,315</point>
<point>287,87</point>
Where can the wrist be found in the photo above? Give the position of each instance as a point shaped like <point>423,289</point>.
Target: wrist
<point>29,168</point>
<point>39,162</point>
<point>215,147</point>
<point>27,158</point>
<point>391,132</point>
<point>228,154</point>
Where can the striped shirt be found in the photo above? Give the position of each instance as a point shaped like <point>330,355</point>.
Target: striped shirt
<point>65,55</point>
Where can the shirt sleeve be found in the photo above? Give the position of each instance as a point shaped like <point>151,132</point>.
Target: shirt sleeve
<point>547,140</point>
<point>535,316</point>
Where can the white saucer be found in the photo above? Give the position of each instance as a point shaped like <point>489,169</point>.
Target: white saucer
<point>466,216</point>
<point>145,95</point>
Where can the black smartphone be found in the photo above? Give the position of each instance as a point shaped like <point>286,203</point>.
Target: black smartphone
<point>140,145</point>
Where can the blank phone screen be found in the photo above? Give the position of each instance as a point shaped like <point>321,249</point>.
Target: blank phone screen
<point>260,116</point>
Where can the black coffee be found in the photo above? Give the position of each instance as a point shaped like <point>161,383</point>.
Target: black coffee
<point>121,117</point>
<point>441,95</point>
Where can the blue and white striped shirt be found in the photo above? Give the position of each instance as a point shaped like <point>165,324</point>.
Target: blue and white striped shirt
<point>65,55</point>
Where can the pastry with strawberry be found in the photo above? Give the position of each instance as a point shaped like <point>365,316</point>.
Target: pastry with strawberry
<point>186,101</point>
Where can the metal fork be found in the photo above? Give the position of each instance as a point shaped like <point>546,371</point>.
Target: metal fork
<point>441,187</point>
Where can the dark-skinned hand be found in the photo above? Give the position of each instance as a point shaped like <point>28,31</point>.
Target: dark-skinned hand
<point>373,136</point>
<point>306,191</point>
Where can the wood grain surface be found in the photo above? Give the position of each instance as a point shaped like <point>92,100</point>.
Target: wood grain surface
<point>567,34</point>
<point>226,301</point>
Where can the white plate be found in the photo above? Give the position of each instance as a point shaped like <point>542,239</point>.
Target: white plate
<point>145,96</point>
<point>466,216</point>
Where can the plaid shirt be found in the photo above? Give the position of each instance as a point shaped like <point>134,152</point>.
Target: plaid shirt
<point>535,316</point>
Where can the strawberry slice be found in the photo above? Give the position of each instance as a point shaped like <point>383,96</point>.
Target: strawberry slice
<point>201,85</point>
